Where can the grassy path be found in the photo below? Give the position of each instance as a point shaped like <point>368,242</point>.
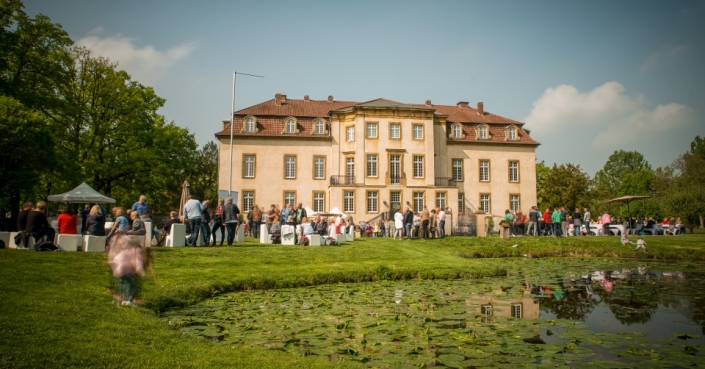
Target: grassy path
<point>54,311</point>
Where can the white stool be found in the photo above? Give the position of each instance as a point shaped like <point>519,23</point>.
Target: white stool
<point>148,234</point>
<point>240,235</point>
<point>350,234</point>
<point>315,240</point>
<point>177,236</point>
<point>67,242</point>
<point>94,243</point>
<point>341,238</point>
<point>288,235</point>
<point>12,245</point>
<point>264,235</point>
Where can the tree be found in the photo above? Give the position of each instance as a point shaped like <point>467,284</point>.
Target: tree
<point>205,176</point>
<point>565,185</point>
<point>620,165</point>
<point>542,171</point>
<point>26,151</point>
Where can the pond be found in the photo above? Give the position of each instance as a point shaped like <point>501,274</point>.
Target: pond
<point>544,313</point>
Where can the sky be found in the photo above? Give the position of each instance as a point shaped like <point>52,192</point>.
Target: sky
<point>587,77</point>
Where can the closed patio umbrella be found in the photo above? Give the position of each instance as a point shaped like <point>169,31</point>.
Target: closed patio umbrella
<point>184,197</point>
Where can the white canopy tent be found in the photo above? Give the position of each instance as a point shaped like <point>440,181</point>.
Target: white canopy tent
<point>82,194</point>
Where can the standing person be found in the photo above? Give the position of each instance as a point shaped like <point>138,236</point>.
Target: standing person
<point>382,228</point>
<point>577,222</point>
<point>519,223</point>
<point>533,221</point>
<point>606,221</point>
<point>441,222</point>
<point>193,212</point>
<point>127,265</point>
<point>66,221</point>
<point>285,213</point>
<point>556,218</point>
<point>256,220</point>
<point>141,205</point>
<point>432,223</point>
<point>425,217</point>
<point>95,223</point>
<point>231,215</point>
<point>398,223</point>
<point>300,213</point>
<point>564,222</point>
<point>547,221</point>
<point>270,216</point>
<point>38,224</point>
<point>84,215</point>
<point>218,222</point>
<point>206,223</point>
<point>408,222</point>
<point>586,221</point>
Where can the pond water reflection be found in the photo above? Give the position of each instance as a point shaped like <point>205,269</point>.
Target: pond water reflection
<point>544,313</point>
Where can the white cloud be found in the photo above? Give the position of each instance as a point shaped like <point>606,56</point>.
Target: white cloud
<point>662,56</point>
<point>145,64</point>
<point>585,127</point>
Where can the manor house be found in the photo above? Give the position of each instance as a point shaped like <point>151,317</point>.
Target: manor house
<point>368,158</point>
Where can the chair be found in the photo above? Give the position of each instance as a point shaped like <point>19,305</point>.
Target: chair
<point>13,245</point>
<point>5,237</point>
<point>67,242</point>
<point>264,236</point>
<point>94,243</point>
<point>177,236</point>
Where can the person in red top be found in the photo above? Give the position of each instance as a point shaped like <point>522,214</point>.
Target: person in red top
<point>67,221</point>
<point>547,220</point>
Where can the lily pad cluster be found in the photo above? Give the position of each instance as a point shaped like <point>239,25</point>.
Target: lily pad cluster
<point>424,323</point>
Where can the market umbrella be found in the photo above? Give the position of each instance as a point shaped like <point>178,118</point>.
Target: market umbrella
<point>627,199</point>
<point>184,197</point>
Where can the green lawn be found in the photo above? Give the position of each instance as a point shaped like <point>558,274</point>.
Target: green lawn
<point>54,310</point>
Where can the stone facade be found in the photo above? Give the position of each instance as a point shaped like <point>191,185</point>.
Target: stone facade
<point>368,158</point>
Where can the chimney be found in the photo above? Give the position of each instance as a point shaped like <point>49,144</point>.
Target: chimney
<point>428,102</point>
<point>279,99</point>
<point>462,104</point>
<point>330,98</point>
<point>305,97</point>
<point>480,108</point>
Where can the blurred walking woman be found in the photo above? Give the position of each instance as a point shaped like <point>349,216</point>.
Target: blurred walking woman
<point>67,221</point>
<point>96,222</point>
<point>218,222</point>
<point>231,215</point>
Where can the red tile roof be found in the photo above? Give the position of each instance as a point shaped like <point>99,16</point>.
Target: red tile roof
<point>270,116</point>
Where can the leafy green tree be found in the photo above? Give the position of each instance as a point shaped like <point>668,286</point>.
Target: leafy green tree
<point>542,171</point>
<point>204,183</point>
<point>26,151</point>
<point>565,185</point>
<point>620,165</point>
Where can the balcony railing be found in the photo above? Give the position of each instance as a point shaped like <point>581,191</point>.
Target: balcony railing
<point>444,182</point>
<point>395,179</point>
<point>342,180</point>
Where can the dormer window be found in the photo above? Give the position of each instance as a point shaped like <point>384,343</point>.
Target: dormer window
<point>512,133</point>
<point>249,125</point>
<point>319,127</point>
<point>483,132</point>
<point>290,125</point>
<point>457,131</point>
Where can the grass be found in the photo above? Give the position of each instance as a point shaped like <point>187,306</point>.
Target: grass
<point>54,311</point>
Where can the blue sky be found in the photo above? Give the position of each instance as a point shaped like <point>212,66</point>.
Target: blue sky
<point>587,77</point>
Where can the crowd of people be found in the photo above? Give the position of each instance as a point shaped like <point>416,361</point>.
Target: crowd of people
<point>560,222</point>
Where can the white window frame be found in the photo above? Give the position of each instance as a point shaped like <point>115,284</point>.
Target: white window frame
<point>418,164</point>
<point>319,201</point>
<point>419,201</point>
<point>486,203</point>
<point>250,124</point>
<point>290,125</point>
<point>514,202</point>
<point>372,160</point>
<point>484,170</point>
<point>248,199</point>
<point>350,133</point>
<point>319,167</point>
<point>289,198</point>
<point>457,131</point>
<point>482,132</point>
<point>319,127</point>
<point>249,169</point>
<point>373,201</point>
<point>371,130</point>
<point>395,127</point>
<point>290,167</point>
<point>441,200</point>
<point>417,131</point>
<point>461,203</point>
<point>457,165</point>
<point>514,171</point>
<point>349,201</point>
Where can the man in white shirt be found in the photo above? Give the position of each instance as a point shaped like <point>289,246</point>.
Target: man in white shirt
<point>441,214</point>
<point>193,211</point>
